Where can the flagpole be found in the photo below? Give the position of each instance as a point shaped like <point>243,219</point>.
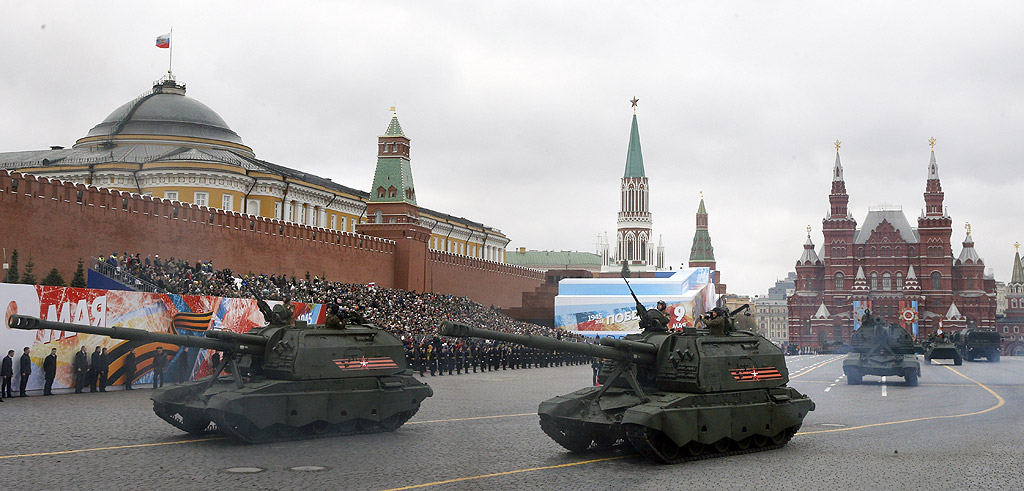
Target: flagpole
<point>170,51</point>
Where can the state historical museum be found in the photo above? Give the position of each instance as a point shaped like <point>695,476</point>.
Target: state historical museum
<point>907,275</point>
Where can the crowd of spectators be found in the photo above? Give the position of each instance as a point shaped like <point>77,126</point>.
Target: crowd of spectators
<point>407,314</point>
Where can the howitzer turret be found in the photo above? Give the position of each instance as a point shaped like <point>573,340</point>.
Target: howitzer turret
<point>674,396</point>
<point>285,382</point>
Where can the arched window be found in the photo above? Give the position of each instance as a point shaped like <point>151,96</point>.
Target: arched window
<point>839,281</point>
<point>886,281</point>
<point>874,281</point>
<point>899,281</point>
<point>936,280</point>
<point>378,217</point>
<point>898,251</point>
<point>874,251</point>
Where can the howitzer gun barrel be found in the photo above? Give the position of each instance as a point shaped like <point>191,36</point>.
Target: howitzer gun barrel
<point>29,323</point>
<point>249,339</point>
<point>646,355</point>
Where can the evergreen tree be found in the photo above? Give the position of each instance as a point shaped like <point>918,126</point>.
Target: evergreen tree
<point>78,281</point>
<point>54,278</point>
<point>29,277</point>
<point>12,273</point>
<point>625,269</point>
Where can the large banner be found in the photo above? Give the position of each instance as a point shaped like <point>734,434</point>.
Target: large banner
<point>859,307</point>
<point>178,314</point>
<point>908,316</point>
<point>604,306</point>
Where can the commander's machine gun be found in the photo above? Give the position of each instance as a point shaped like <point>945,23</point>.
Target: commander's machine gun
<point>286,382</point>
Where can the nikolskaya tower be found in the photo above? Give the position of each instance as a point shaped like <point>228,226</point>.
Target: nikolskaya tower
<point>634,237</point>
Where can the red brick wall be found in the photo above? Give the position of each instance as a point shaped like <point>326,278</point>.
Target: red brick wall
<point>45,221</point>
<point>486,282</point>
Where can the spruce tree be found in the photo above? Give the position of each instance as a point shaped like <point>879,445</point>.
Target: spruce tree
<point>54,278</point>
<point>78,281</point>
<point>29,277</point>
<point>12,273</point>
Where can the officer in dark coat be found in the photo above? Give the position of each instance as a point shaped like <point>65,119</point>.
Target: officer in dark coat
<point>94,365</point>
<point>25,368</point>
<point>159,365</point>
<point>130,366</point>
<point>81,369</point>
<point>184,366</point>
<point>49,372</point>
<point>7,373</point>
<point>103,371</point>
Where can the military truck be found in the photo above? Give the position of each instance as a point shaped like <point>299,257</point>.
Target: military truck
<point>973,343</point>
<point>881,349</point>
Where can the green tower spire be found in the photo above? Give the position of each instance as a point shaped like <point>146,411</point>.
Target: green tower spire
<point>634,157</point>
<point>702,251</point>
<point>1018,267</point>
<point>392,181</point>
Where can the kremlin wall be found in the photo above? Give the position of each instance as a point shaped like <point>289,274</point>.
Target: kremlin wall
<point>149,177</point>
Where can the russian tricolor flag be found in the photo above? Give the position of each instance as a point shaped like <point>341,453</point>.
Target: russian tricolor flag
<point>163,41</point>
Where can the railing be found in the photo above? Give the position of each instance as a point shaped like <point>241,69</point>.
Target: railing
<point>124,277</point>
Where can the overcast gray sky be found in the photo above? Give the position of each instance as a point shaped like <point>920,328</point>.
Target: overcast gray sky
<point>519,115</point>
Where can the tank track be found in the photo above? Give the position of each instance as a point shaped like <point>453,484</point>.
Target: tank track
<point>656,446</point>
<point>246,432</point>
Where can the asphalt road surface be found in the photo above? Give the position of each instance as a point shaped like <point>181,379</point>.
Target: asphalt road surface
<point>962,428</point>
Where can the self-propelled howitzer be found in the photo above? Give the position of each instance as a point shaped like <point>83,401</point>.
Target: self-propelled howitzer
<point>284,381</point>
<point>674,396</point>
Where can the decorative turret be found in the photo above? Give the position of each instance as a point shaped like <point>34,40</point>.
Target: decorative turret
<point>1015,289</point>
<point>810,271</point>
<point>634,221</point>
<point>1018,267</point>
<point>392,181</point>
<point>911,284</point>
<point>809,257</point>
<point>838,200</point>
<point>860,282</point>
<point>933,188</point>
<point>968,255</point>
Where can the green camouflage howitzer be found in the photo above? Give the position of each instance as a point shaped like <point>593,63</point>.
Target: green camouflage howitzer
<point>285,382</point>
<point>941,348</point>
<point>882,349</point>
<point>673,396</point>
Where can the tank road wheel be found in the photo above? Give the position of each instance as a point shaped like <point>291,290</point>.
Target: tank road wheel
<point>572,439</point>
<point>744,443</point>
<point>393,422</point>
<point>318,427</point>
<point>779,438</point>
<point>760,440</point>
<point>854,377</point>
<point>694,448</point>
<point>723,445</point>
<point>284,432</point>
<point>910,377</point>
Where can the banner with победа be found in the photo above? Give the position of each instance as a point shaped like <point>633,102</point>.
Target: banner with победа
<point>153,312</point>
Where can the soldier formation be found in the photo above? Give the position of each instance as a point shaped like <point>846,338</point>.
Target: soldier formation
<point>437,356</point>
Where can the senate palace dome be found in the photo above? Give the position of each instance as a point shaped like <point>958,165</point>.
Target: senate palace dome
<point>165,114</point>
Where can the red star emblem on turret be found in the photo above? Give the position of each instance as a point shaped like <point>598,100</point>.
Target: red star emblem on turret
<point>363,363</point>
<point>753,373</point>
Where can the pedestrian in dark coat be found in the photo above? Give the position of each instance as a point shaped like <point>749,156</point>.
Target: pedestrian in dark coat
<point>7,374</point>
<point>184,367</point>
<point>130,365</point>
<point>49,371</point>
<point>104,370</point>
<point>81,369</point>
<point>94,369</point>
<point>159,364</point>
<point>25,368</point>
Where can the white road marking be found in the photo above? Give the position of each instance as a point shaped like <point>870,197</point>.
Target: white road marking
<point>883,387</point>
<point>828,388</point>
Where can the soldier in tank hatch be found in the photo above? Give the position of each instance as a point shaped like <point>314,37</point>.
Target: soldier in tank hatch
<point>659,319</point>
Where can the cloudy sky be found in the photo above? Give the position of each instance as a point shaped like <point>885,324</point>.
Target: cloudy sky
<point>519,115</point>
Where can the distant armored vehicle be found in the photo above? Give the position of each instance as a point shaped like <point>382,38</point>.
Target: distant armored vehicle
<point>881,349</point>
<point>941,348</point>
<point>973,343</point>
<point>674,396</point>
<point>285,382</point>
